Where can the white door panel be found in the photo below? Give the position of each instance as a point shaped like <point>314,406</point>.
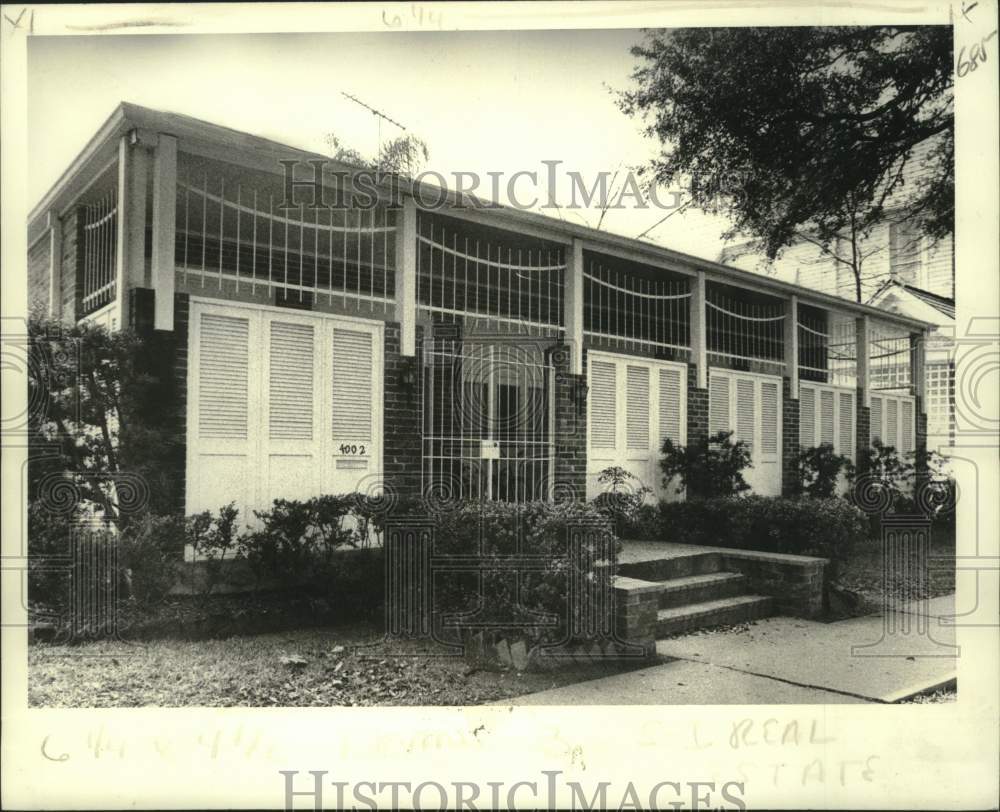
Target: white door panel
<point>634,404</point>
<point>281,404</point>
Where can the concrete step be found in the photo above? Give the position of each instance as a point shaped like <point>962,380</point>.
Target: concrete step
<point>701,588</point>
<point>677,566</point>
<point>724,611</point>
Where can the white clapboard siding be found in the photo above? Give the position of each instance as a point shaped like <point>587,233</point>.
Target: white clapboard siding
<point>222,377</point>
<point>603,394</point>
<point>637,408</point>
<point>291,385</point>
<point>351,382</point>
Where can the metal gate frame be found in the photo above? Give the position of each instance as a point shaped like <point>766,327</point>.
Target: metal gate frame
<point>487,445</point>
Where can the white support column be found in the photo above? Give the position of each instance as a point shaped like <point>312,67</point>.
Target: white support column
<point>406,276</point>
<point>135,251</point>
<point>164,229</point>
<point>54,225</point>
<point>918,366</point>
<point>862,361</point>
<point>121,226</point>
<point>573,306</point>
<point>699,330</point>
<point>791,341</point>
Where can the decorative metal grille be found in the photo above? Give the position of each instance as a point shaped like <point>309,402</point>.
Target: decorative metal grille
<point>100,244</point>
<point>487,430</point>
<point>827,348</point>
<point>515,288</point>
<point>236,234</point>
<point>744,326</point>
<point>635,310</point>
<point>889,359</point>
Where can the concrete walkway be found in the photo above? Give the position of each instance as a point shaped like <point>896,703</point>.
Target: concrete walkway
<point>784,660</point>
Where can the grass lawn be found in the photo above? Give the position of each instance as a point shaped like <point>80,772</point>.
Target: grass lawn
<point>312,667</point>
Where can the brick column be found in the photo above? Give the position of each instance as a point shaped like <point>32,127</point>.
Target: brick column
<point>790,482</point>
<point>179,344</point>
<point>864,427</point>
<point>697,408</point>
<point>401,428</point>
<point>569,475</point>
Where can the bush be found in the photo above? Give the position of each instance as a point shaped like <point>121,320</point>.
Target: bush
<point>212,539</point>
<point>709,467</point>
<point>622,500</point>
<point>824,527</point>
<point>536,604</point>
<point>148,551</point>
<point>820,468</point>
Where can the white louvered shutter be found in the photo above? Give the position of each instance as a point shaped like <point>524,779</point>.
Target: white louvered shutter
<point>891,423</point>
<point>745,412</point>
<point>718,405</point>
<point>290,381</point>
<point>352,386</point>
<point>807,417</point>
<point>906,440</point>
<point>670,406</point>
<point>603,392</point>
<point>769,419</point>
<point>223,371</point>
<point>826,421</point>
<point>637,408</point>
<point>846,428</point>
<point>876,418</point>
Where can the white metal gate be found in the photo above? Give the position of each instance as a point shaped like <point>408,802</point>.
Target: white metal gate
<point>749,405</point>
<point>487,422</point>
<point>281,404</point>
<point>634,405</point>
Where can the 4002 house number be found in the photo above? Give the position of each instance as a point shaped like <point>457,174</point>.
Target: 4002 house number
<point>352,450</point>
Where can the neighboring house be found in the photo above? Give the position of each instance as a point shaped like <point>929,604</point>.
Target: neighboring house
<point>902,272</point>
<point>449,351</point>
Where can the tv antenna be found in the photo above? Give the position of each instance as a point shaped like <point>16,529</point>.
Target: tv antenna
<point>379,115</point>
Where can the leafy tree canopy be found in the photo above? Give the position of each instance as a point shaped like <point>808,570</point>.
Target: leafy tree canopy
<point>791,132</point>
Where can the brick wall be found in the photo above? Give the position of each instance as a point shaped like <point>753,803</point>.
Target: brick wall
<point>179,371</point>
<point>790,483</point>
<point>570,441</point>
<point>864,428</point>
<point>401,427</point>
<point>697,407</point>
<point>795,582</point>
<point>920,445</point>
<point>38,275</point>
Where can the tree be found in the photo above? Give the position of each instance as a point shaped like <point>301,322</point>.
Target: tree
<point>802,133</point>
<point>103,436</point>
<point>405,154</point>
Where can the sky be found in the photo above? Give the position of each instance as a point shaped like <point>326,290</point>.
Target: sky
<point>498,101</point>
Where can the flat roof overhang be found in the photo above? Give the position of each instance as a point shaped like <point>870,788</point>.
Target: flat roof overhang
<point>243,149</point>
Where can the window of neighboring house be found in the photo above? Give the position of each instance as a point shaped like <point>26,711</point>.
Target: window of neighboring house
<point>905,252</point>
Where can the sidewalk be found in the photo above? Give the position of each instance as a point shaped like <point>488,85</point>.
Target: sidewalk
<point>784,660</point>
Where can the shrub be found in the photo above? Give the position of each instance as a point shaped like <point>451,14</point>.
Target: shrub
<point>147,553</point>
<point>825,527</point>
<point>709,467</point>
<point>536,604</point>
<point>820,468</point>
<point>622,500</point>
<point>212,539</point>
